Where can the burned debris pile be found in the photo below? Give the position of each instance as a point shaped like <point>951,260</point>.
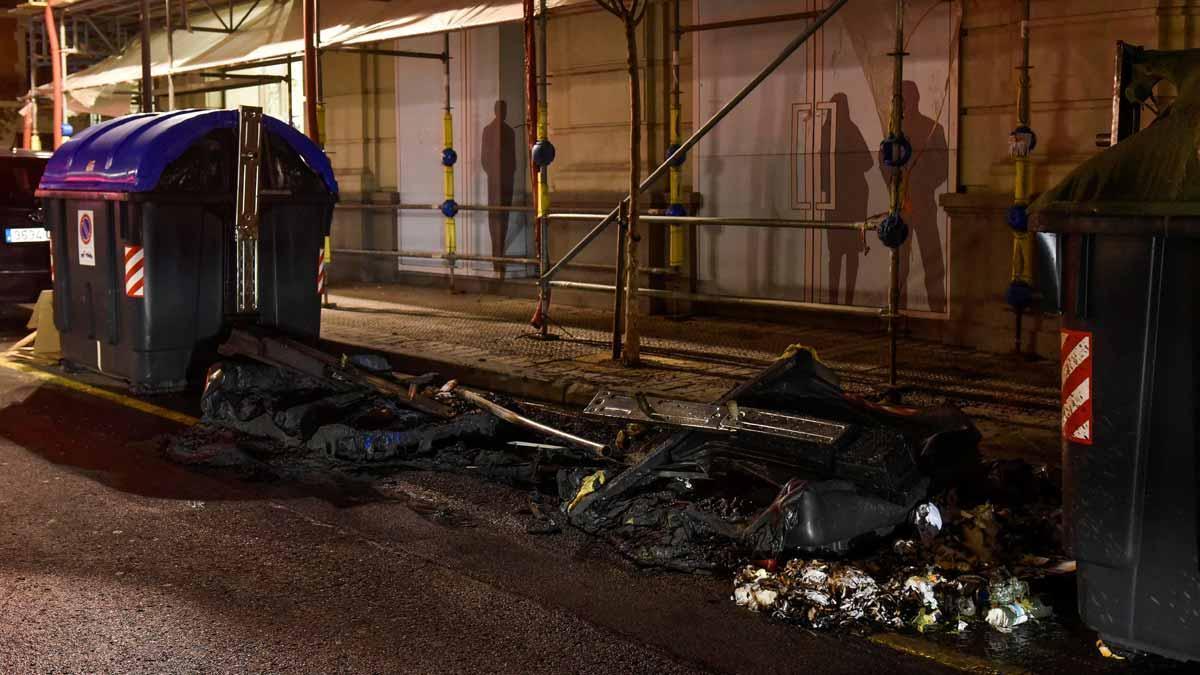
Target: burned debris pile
<point>830,510</point>
<point>275,404</point>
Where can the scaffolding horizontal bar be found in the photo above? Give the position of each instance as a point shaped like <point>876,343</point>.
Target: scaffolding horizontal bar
<point>217,85</point>
<point>874,312</point>
<point>651,216</point>
<point>262,63</point>
<point>433,255</point>
<point>753,21</point>
<point>736,222</point>
<point>391,206</point>
<point>401,53</point>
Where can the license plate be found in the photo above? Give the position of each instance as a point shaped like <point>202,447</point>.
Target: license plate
<point>25,235</point>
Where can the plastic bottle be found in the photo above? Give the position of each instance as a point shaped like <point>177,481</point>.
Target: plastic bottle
<point>1005,617</point>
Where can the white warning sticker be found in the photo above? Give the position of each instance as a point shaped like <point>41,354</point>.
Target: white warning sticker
<point>87,238</point>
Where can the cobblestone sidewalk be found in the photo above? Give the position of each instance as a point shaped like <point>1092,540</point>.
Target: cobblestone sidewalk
<point>485,341</point>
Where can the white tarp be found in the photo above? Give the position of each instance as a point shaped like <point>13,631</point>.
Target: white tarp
<point>273,30</point>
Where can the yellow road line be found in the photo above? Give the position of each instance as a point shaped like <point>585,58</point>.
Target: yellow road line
<point>945,656</point>
<point>120,399</point>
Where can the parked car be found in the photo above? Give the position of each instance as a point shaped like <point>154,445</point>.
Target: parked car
<point>25,248</point>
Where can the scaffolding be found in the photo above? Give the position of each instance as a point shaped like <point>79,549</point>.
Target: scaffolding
<point>894,152</point>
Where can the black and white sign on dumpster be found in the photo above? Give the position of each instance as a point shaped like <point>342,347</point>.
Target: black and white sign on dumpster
<point>154,251</point>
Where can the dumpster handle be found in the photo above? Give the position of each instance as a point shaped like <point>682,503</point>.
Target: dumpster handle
<point>113,292</point>
<point>246,235</point>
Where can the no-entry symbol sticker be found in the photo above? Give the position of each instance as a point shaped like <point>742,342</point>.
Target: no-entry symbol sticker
<point>87,238</point>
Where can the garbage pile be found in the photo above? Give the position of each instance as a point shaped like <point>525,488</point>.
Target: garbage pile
<point>276,405</point>
<point>965,564</point>
<point>786,462</point>
<point>819,594</point>
<point>787,478</point>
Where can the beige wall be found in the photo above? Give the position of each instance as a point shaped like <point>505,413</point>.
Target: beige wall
<point>360,120</point>
<point>1072,50</point>
<point>1072,43</point>
<point>360,138</point>
<point>589,96</point>
<point>589,125</point>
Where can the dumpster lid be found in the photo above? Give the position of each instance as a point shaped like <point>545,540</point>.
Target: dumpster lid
<point>129,154</point>
<point>1152,175</point>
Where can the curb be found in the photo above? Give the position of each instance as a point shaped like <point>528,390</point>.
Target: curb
<point>501,380</point>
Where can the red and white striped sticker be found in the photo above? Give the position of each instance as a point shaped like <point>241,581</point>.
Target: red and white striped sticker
<point>51,245</point>
<point>1077,386</point>
<point>135,272</point>
<point>321,272</point>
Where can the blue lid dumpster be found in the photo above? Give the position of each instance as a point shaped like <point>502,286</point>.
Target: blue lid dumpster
<point>1129,222</point>
<point>147,220</point>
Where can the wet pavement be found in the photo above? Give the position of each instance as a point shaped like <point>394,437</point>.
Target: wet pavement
<point>113,559</point>
<point>484,341</point>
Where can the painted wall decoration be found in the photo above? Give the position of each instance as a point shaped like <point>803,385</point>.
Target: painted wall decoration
<point>804,146</point>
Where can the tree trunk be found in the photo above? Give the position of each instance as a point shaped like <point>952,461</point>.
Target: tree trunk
<point>631,354</point>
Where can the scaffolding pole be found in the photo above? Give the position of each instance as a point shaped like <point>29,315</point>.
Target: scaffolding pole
<point>449,157</point>
<point>675,239</point>
<point>542,155</point>
<point>311,127</point>
<point>896,188</point>
<point>1019,294</point>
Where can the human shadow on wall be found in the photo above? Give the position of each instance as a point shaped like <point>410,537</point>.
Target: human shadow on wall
<point>926,172</point>
<point>498,153</point>
<point>849,160</point>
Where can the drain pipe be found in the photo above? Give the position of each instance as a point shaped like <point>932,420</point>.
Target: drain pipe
<point>311,125</point>
<point>147,89</point>
<point>56,74</point>
<point>170,56</point>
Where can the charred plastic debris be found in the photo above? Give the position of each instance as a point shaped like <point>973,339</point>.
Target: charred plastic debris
<point>830,510</point>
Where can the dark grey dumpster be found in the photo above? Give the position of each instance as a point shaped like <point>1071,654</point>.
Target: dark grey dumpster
<point>1129,222</point>
<point>142,215</point>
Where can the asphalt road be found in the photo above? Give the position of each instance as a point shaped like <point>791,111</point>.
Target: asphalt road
<point>113,559</point>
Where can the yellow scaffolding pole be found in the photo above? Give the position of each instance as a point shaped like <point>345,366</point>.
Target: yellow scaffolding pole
<point>1021,143</point>
<point>449,207</point>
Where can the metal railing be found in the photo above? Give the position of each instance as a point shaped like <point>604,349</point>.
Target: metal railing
<point>453,257</point>
<point>651,216</point>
